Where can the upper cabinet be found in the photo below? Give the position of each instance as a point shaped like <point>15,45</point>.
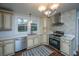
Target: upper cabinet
<point>5,21</point>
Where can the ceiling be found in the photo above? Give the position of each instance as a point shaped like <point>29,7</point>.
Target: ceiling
<point>26,8</point>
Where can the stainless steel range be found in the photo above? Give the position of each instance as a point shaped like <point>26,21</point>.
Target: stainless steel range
<point>54,39</point>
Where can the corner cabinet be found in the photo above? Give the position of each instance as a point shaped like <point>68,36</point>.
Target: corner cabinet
<point>7,47</point>
<point>66,46</point>
<point>5,21</point>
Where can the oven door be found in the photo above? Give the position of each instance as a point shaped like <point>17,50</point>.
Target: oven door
<point>55,43</point>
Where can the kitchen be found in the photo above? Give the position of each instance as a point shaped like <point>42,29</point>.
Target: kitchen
<point>24,29</point>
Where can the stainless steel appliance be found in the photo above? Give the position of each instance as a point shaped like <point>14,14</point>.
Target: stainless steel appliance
<point>57,20</point>
<point>54,39</point>
<point>20,43</point>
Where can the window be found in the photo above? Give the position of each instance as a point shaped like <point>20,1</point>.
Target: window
<point>33,27</point>
<point>22,25</point>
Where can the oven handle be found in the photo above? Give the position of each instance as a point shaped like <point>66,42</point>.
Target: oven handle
<point>54,40</point>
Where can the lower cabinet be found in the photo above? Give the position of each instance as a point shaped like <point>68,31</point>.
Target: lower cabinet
<point>29,43</point>
<point>7,48</point>
<point>33,41</point>
<point>36,41</point>
<point>45,39</point>
<point>66,46</point>
<point>1,50</point>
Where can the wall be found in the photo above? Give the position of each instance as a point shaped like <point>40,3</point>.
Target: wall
<point>69,19</point>
<point>14,31</point>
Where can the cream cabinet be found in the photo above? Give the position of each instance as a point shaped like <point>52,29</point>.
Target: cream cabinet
<point>36,41</point>
<point>1,49</point>
<point>5,21</point>
<point>29,43</point>
<point>44,39</point>
<point>7,47</point>
<point>33,41</point>
<point>67,46</point>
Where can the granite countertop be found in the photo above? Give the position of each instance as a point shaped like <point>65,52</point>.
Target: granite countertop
<point>11,37</point>
<point>16,36</point>
<point>68,36</point>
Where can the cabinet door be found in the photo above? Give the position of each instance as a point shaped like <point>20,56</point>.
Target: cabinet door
<point>29,43</point>
<point>0,20</point>
<point>7,21</point>
<point>1,51</point>
<point>65,47</point>
<point>9,47</point>
<point>36,41</point>
<point>41,39</point>
<point>45,39</point>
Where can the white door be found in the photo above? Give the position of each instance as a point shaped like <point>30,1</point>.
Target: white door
<point>9,48</point>
<point>7,21</point>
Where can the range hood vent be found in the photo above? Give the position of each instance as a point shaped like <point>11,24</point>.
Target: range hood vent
<point>57,20</point>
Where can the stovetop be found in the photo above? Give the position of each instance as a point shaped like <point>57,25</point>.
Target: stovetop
<point>56,34</point>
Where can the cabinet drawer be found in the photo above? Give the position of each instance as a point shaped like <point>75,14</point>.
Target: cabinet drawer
<point>8,41</point>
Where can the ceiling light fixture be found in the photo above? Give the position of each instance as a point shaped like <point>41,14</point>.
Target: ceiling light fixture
<point>49,9</point>
<point>42,8</point>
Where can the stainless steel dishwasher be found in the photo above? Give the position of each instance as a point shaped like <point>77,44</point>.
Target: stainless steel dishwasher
<point>20,43</point>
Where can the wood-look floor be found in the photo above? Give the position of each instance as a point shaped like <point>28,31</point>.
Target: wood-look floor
<point>54,53</point>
